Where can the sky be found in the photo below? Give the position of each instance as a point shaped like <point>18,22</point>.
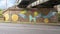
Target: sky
<point>6,4</point>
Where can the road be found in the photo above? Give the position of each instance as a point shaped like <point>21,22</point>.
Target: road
<point>7,28</point>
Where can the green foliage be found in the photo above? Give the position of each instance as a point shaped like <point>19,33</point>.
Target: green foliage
<point>58,16</point>
<point>0,11</point>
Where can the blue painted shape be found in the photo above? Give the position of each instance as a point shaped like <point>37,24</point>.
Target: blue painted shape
<point>32,18</point>
<point>23,16</point>
<point>49,15</point>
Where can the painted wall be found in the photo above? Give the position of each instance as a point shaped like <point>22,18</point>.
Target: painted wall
<point>31,15</point>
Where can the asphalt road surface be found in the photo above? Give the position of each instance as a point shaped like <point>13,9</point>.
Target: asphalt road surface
<point>28,29</point>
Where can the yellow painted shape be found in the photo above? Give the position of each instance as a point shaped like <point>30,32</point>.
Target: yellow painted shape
<point>22,12</point>
<point>14,17</point>
<point>35,13</point>
<point>6,17</point>
<point>46,20</point>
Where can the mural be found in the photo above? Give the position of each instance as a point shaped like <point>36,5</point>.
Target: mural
<point>50,14</point>
<point>46,20</point>
<point>22,14</point>
<point>14,17</point>
<point>29,16</point>
<point>6,16</point>
<point>32,18</point>
<point>15,14</point>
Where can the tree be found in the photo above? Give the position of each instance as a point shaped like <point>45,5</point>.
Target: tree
<point>0,12</point>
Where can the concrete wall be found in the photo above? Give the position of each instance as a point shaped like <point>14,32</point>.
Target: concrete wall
<point>38,20</point>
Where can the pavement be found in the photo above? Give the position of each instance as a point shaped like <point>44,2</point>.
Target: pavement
<point>54,24</point>
<point>9,28</point>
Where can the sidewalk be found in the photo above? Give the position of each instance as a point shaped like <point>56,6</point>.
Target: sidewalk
<point>54,24</point>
